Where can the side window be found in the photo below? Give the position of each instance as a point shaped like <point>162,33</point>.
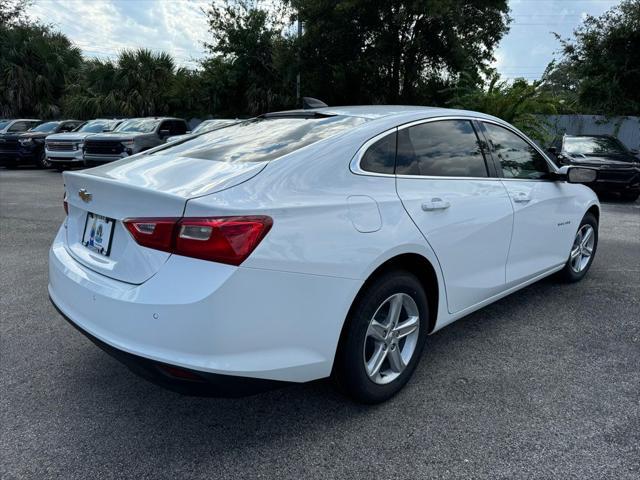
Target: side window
<point>446,148</point>
<point>20,127</point>
<point>67,127</point>
<point>518,159</point>
<point>166,125</point>
<point>179,128</point>
<point>381,156</point>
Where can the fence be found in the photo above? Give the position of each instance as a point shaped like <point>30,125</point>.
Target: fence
<point>626,129</point>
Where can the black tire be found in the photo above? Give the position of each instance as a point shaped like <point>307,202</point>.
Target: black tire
<point>42,161</point>
<point>11,164</point>
<point>349,371</point>
<point>630,196</point>
<point>568,274</point>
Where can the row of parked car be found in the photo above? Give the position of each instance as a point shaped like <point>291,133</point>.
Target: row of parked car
<point>72,143</point>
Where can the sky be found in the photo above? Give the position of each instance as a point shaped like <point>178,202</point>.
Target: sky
<point>101,28</point>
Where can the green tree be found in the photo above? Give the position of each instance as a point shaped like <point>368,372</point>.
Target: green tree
<point>250,56</point>
<point>35,64</point>
<point>395,51</point>
<point>601,65</point>
<point>138,83</point>
<point>519,103</point>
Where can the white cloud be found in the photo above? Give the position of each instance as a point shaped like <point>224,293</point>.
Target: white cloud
<point>102,28</point>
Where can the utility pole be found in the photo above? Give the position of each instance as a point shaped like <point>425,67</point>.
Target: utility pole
<point>298,98</point>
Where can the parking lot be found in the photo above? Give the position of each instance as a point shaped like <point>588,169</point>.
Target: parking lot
<point>544,383</point>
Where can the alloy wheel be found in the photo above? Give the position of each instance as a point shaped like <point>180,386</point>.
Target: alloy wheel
<point>582,248</point>
<point>391,338</point>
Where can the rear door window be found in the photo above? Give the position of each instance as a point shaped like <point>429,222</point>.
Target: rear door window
<point>517,157</point>
<point>444,148</point>
<point>261,139</point>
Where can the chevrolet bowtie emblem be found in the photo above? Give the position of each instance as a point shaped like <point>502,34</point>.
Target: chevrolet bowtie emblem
<point>84,195</point>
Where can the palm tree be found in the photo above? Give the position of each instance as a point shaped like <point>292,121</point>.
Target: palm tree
<point>34,67</point>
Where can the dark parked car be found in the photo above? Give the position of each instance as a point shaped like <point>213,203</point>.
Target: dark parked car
<point>132,136</point>
<point>10,130</point>
<point>31,143</point>
<point>618,168</point>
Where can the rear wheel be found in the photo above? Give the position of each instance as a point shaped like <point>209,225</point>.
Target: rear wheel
<point>383,338</point>
<point>583,250</point>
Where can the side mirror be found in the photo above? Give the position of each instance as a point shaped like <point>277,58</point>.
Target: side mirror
<point>164,133</point>
<point>581,175</point>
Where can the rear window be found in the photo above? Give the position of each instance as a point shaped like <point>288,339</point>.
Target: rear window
<point>262,139</point>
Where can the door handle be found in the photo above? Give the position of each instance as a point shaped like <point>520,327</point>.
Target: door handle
<point>521,197</point>
<point>435,203</point>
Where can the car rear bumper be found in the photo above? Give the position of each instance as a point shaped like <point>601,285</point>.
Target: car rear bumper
<point>181,380</point>
<point>209,318</point>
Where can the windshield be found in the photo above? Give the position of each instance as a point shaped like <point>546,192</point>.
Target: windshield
<point>261,139</point>
<point>144,125</point>
<point>593,145</point>
<point>97,126</point>
<point>211,124</point>
<point>3,123</point>
<point>45,127</point>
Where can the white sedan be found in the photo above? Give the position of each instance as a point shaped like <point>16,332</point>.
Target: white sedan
<point>306,244</point>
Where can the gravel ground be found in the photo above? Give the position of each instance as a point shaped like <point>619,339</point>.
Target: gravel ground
<point>543,384</point>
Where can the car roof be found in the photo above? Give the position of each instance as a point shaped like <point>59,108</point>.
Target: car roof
<point>373,112</point>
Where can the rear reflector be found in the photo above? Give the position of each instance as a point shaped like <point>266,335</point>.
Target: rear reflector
<point>227,240</point>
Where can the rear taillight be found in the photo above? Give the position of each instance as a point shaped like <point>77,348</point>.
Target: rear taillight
<point>219,239</point>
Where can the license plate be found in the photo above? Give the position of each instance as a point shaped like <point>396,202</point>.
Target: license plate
<point>98,233</point>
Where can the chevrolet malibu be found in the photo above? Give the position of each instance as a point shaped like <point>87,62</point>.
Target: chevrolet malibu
<point>315,243</point>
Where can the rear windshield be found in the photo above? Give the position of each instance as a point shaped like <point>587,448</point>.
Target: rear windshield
<point>593,145</point>
<point>261,139</point>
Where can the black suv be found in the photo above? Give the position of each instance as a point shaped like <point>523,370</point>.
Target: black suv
<point>618,168</point>
<point>10,130</point>
<point>31,143</point>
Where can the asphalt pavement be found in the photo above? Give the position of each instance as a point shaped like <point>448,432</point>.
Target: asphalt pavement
<point>542,384</point>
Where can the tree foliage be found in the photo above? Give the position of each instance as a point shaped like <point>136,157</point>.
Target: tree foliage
<point>518,103</point>
<point>601,65</point>
<point>252,56</point>
<point>35,65</point>
<point>395,51</point>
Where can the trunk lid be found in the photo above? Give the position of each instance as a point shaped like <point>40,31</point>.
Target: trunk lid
<point>139,186</point>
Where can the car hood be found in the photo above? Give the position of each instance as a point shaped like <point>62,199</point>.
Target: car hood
<point>70,136</point>
<point>119,136</point>
<point>34,135</point>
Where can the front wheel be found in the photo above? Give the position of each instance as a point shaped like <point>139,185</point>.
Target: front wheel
<point>583,250</point>
<point>42,161</point>
<point>383,338</point>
